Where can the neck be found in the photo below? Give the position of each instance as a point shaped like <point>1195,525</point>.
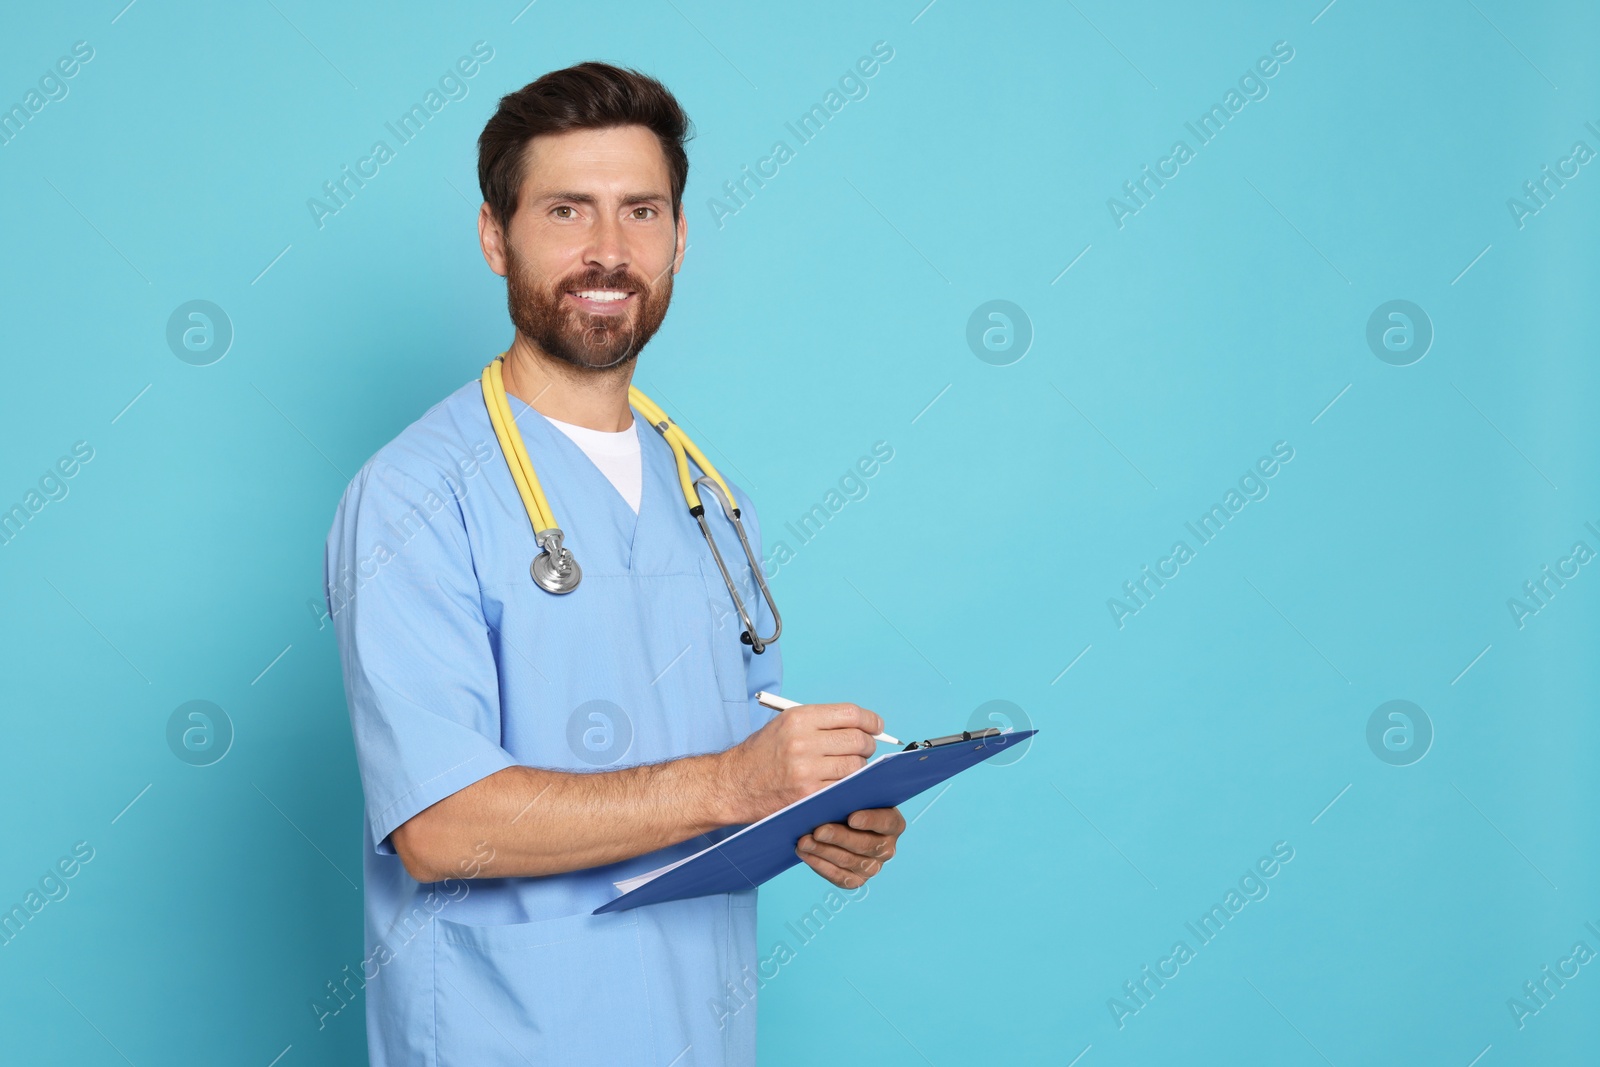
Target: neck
<point>594,399</point>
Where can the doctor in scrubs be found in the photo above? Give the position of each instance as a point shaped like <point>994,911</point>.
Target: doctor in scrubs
<point>521,750</point>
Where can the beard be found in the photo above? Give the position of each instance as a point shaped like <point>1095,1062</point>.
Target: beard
<point>582,339</point>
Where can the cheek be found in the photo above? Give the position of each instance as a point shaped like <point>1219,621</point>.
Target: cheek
<point>652,259</point>
<point>662,284</point>
<point>555,264</point>
<point>550,250</point>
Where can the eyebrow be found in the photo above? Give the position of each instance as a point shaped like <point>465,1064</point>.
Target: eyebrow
<point>590,198</point>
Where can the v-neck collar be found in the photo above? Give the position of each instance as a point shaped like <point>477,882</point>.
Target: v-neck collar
<point>581,509</point>
<point>562,429</point>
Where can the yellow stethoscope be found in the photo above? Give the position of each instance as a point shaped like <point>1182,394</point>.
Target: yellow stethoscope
<point>554,569</point>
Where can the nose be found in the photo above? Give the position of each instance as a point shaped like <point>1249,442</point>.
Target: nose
<point>608,249</point>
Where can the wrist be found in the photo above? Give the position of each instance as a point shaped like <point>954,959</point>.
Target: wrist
<point>723,792</point>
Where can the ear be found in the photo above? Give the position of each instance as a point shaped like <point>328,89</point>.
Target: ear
<point>492,239</point>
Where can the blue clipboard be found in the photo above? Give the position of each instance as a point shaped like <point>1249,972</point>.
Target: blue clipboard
<point>763,849</point>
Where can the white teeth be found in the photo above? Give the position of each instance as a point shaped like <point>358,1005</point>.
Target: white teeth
<point>602,295</point>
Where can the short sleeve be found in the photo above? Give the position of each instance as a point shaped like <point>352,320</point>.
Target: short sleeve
<point>420,675</point>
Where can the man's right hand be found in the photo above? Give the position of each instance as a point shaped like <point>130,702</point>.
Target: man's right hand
<point>797,753</point>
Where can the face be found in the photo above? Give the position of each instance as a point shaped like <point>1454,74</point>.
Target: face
<point>592,248</point>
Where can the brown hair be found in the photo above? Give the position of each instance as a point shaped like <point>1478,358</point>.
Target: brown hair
<point>588,96</point>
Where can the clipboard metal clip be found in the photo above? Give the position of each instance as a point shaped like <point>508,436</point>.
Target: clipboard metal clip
<point>953,739</point>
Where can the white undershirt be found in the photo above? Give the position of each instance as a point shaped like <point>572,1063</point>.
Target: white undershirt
<point>616,454</point>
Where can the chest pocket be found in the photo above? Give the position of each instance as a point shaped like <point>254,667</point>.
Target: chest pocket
<point>728,653</point>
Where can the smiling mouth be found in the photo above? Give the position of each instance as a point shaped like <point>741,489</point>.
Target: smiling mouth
<point>602,301</point>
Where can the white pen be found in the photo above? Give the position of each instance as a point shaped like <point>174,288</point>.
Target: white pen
<point>778,703</point>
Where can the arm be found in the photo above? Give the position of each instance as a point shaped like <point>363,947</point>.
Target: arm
<point>539,822</point>
<point>421,683</point>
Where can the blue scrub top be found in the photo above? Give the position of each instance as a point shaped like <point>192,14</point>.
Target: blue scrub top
<point>456,666</point>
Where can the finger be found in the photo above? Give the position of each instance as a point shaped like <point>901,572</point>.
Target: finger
<point>833,873</point>
<point>847,716</point>
<point>835,767</point>
<point>878,820</point>
<point>861,842</point>
<point>846,742</point>
<point>843,858</point>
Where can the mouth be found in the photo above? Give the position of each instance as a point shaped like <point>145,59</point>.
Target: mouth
<point>602,301</point>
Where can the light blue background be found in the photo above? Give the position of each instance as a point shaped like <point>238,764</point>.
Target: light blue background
<point>823,317</point>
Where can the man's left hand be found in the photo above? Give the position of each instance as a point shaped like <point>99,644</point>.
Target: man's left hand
<point>847,855</point>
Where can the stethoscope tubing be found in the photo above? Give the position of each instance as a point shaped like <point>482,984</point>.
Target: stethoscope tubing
<point>555,569</point>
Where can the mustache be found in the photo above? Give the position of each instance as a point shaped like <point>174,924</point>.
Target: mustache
<point>625,280</point>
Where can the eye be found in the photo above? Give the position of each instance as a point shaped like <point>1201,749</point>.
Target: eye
<point>560,208</point>
<point>651,210</point>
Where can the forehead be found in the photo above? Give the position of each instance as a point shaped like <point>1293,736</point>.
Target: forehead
<point>596,160</point>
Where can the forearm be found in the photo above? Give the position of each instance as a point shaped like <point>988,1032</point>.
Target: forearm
<point>539,822</point>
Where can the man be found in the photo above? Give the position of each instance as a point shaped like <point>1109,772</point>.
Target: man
<point>519,750</point>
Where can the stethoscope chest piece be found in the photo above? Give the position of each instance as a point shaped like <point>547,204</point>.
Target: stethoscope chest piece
<point>555,570</point>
